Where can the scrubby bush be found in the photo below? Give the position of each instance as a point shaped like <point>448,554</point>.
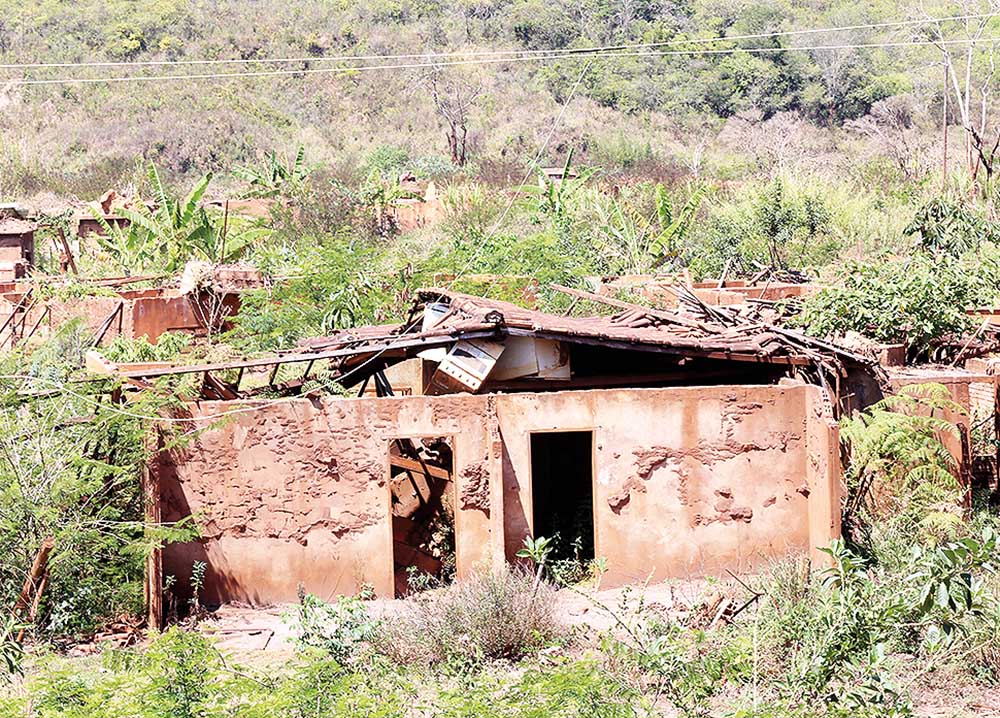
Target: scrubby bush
<point>167,347</point>
<point>915,300</point>
<point>488,615</point>
<point>341,629</point>
<point>781,224</point>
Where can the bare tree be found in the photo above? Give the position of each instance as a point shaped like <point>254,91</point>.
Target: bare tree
<point>970,68</point>
<point>454,98</point>
<point>891,128</point>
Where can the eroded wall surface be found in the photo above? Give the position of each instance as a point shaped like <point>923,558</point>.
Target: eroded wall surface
<point>688,482</point>
<point>146,313</point>
<point>296,492</point>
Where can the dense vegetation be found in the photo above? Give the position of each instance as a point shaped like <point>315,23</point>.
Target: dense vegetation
<point>824,161</point>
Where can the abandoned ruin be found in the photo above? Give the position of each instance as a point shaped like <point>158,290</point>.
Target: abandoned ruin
<point>676,442</point>
<point>668,445</point>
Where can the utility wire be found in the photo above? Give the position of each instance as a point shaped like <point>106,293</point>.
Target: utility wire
<point>491,53</point>
<point>489,61</point>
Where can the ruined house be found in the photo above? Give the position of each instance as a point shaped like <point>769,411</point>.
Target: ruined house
<point>111,308</point>
<point>666,445</point>
<point>17,245</point>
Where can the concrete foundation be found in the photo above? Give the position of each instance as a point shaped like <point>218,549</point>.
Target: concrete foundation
<point>686,482</point>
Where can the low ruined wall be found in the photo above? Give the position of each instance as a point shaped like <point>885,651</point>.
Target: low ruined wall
<point>296,492</point>
<point>688,481</point>
<point>147,313</point>
<point>154,315</point>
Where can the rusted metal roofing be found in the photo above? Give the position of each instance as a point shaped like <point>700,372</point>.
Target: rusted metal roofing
<point>637,327</point>
<point>354,354</point>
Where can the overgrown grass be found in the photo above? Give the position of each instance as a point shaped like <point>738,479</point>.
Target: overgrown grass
<point>488,616</point>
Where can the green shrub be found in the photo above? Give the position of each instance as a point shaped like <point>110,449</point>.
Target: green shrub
<point>913,301</point>
<point>949,226</point>
<point>167,347</point>
<point>780,224</point>
<point>387,160</point>
<point>576,689</point>
<point>341,629</point>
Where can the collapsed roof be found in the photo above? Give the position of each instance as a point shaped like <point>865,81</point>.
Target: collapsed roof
<point>481,345</point>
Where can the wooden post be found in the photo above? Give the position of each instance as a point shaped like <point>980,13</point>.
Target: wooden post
<point>66,250</point>
<point>34,584</point>
<point>944,134</point>
<point>153,587</point>
<point>225,230</point>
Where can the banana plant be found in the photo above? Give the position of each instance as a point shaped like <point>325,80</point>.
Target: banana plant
<point>176,227</point>
<point>636,243</point>
<point>173,231</point>
<point>554,194</point>
<point>129,249</point>
<point>276,178</point>
<point>674,226</point>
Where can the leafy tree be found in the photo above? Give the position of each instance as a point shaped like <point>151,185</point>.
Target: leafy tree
<point>949,226</point>
<point>70,471</point>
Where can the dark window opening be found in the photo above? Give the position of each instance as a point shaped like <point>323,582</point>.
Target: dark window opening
<point>562,492</point>
<point>423,513</point>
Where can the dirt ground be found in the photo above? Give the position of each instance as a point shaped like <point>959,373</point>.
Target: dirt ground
<point>244,629</point>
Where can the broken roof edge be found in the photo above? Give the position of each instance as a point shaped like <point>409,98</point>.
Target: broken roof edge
<point>362,351</point>
<point>792,338</point>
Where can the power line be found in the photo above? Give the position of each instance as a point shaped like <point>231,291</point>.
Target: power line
<point>555,55</point>
<point>491,53</point>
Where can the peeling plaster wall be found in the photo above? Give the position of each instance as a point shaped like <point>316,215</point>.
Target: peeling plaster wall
<point>689,481</point>
<point>296,492</point>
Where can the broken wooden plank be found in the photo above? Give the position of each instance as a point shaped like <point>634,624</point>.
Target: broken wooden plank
<point>406,555</point>
<point>619,304</point>
<point>401,462</point>
<point>34,584</point>
<point>751,354</point>
<point>441,340</point>
<point>66,250</point>
<point>106,324</point>
<point>34,328</point>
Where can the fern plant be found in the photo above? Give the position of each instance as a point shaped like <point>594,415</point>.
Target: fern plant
<point>897,462</point>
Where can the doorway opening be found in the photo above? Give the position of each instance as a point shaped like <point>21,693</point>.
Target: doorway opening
<point>423,513</point>
<point>562,492</point>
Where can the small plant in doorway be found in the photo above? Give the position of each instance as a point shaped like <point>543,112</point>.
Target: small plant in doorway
<point>537,550</point>
<point>198,569</point>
